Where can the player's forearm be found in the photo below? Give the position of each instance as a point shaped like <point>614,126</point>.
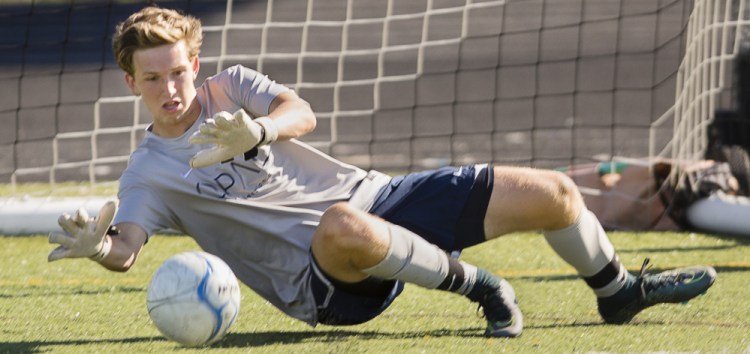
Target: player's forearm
<point>119,259</point>
<point>292,116</point>
<point>126,245</point>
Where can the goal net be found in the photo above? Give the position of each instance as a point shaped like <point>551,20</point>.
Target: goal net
<point>397,86</point>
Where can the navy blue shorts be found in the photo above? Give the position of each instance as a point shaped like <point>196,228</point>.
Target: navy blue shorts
<point>444,206</point>
<point>342,304</point>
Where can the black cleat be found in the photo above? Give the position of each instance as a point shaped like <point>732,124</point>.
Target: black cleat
<point>671,286</point>
<point>504,318</point>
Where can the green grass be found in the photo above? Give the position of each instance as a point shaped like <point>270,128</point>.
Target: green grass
<point>77,306</point>
<point>62,189</point>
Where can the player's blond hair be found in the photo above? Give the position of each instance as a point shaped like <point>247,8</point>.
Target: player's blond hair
<point>151,27</point>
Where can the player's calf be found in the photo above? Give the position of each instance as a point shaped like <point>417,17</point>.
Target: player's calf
<point>414,260</point>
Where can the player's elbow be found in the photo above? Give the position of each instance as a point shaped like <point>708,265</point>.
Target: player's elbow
<point>308,116</point>
<point>297,117</point>
<point>303,113</point>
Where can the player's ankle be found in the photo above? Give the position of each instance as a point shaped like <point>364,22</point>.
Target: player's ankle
<point>485,283</point>
<point>627,293</point>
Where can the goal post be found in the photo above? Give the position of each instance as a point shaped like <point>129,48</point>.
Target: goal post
<point>397,86</point>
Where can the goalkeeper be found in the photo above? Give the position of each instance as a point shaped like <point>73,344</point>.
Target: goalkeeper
<point>323,241</point>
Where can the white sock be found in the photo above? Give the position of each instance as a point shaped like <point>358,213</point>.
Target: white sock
<point>586,247</point>
<point>411,259</point>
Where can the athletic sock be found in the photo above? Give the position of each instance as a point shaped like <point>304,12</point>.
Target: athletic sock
<point>485,283</point>
<point>624,295</point>
<point>586,247</point>
<point>466,279</point>
<point>412,259</point>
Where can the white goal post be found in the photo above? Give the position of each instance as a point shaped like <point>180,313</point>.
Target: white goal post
<point>397,86</point>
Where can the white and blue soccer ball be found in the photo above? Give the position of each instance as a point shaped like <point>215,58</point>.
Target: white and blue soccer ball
<point>193,298</point>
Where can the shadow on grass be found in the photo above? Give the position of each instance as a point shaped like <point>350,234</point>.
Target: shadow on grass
<point>246,340</point>
<point>44,346</point>
<point>260,339</point>
<point>255,339</point>
<point>720,268</point>
<point>23,292</point>
<point>670,249</point>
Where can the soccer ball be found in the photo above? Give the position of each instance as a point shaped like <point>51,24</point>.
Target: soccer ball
<point>193,298</point>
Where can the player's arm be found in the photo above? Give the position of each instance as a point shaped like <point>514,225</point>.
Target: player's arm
<point>83,236</point>
<point>127,244</point>
<point>291,115</point>
<point>233,134</point>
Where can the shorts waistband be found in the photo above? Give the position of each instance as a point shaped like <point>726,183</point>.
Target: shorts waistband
<point>364,196</point>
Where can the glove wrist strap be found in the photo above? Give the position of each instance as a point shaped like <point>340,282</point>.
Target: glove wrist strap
<point>104,250</point>
<point>270,131</point>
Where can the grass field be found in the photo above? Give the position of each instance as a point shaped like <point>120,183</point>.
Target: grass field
<point>77,306</point>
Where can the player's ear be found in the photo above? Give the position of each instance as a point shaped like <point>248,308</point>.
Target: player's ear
<point>130,80</point>
<point>196,67</point>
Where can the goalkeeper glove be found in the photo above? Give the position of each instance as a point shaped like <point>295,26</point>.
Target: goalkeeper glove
<point>84,236</point>
<point>233,135</point>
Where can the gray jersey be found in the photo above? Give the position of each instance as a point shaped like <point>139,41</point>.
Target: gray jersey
<point>258,214</point>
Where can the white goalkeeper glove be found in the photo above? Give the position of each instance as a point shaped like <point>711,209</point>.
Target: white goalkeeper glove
<point>84,236</point>
<point>233,135</point>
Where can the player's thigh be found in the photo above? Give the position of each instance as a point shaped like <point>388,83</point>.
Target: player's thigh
<point>526,199</point>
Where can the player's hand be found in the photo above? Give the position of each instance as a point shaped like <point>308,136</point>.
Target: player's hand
<point>232,135</point>
<point>84,236</point>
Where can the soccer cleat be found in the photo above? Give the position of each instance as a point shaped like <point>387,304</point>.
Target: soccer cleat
<point>504,318</point>
<point>671,286</point>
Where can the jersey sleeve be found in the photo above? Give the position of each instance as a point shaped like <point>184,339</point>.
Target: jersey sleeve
<point>141,206</point>
<point>253,90</point>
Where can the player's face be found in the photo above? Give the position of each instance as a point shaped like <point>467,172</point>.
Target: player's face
<point>164,77</point>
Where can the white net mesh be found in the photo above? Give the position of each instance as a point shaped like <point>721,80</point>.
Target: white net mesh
<point>397,85</point>
<point>714,36</point>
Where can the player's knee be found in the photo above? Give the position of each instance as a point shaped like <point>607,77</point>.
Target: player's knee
<point>566,199</point>
<point>337,217</point>
<point>338,228</point>
<point>567,191</point>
